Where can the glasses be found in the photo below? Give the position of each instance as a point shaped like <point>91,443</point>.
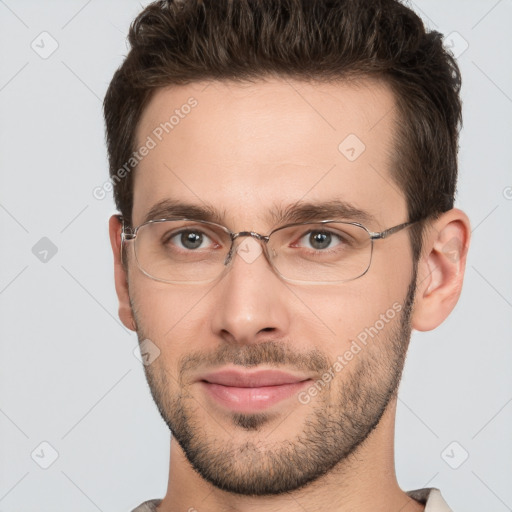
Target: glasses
<point>179,250</point>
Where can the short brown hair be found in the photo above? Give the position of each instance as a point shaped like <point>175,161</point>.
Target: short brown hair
<point>178,42</point>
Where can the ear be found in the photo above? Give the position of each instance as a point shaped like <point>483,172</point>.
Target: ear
<point>115,228</point>
<point>441,269</point>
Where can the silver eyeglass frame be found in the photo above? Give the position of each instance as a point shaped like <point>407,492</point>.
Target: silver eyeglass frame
<point>130,234</point>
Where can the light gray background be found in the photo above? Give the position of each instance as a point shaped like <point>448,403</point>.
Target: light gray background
<point>69,376</point>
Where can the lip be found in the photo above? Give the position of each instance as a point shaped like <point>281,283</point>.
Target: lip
<point>245,391</point>
<point>251,379</point>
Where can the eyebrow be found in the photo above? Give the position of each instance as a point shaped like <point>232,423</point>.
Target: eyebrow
<point>278,215</point>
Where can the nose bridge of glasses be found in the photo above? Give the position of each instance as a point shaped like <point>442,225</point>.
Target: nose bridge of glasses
<point>252,234</point>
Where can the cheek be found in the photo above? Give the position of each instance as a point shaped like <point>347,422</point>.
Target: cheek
<point>169,316</point>
<point>333,317</point>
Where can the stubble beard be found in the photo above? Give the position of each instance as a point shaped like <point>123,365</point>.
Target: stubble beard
<point>336,426</point>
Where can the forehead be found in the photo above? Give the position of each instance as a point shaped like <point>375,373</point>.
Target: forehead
<point>242,148</point>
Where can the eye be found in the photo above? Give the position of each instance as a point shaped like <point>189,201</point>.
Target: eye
<point>325,240</point>
<point>189,239</point>
<point>320,239</point>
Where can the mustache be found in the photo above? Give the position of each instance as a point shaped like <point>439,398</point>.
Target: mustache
<point>269,353</point>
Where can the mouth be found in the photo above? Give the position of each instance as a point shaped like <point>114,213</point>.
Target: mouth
<point>244,391</point>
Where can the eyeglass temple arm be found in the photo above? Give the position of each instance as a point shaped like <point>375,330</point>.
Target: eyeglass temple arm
<point>390,231</point>
<point>126,232</point>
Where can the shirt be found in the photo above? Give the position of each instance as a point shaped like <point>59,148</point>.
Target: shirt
<point>430,497</point>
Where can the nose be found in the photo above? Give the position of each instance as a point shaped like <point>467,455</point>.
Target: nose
<point>251,301</point>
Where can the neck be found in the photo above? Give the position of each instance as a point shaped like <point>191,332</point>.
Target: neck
<point>365,481</point>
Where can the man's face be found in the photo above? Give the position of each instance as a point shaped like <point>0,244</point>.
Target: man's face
<point>243,149</point>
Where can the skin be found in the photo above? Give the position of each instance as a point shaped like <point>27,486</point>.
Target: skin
<point>243,149</point>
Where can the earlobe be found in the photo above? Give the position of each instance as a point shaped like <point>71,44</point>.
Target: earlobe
<point>441,269</point>
<point>120,274</point>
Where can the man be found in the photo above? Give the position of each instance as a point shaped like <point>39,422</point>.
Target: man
<point>285,173</point>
